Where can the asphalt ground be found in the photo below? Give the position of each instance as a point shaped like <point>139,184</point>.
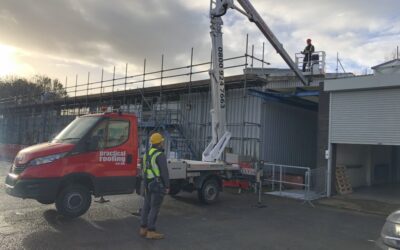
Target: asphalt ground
<point>233,223</point>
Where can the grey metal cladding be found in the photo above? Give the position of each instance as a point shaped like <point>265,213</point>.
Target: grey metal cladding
<point>196,120</point>
<point>289,135</point>
<point>366,117</point>
<point>282,84</point>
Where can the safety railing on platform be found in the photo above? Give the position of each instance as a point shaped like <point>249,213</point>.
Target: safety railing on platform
<point>295,182</point>
<point>313,64</point>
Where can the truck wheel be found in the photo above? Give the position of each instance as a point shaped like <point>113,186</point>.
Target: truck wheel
<point>73,201</point>
<point>45,202</point>
<point>174,188</point>
<point>209,192</point>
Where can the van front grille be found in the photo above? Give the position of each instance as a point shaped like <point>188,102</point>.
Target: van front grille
<point>17,169</point>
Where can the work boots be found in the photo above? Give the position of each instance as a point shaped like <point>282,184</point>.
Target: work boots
<point>143,231</point>
<point>154,235</point>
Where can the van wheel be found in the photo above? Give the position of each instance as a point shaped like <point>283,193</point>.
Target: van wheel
<point>45,202</point>
<point>209,192</point>
<point>73,201</point>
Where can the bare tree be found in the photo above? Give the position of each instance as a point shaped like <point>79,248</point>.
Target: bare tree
<point>38,88</point>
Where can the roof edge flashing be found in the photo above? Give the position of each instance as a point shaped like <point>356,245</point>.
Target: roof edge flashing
<point>363,83</point>
<point>390,67</point>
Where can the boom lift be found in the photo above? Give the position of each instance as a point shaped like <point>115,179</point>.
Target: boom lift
<point>206,176</point>
<point>218,8</point>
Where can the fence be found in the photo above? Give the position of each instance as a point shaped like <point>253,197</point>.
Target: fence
<point>295,182</point>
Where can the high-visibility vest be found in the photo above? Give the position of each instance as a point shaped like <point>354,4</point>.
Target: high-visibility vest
<point>153,169</point>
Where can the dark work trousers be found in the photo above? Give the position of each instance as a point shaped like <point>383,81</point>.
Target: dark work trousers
<point>306,60</point>
<point>151,208</point>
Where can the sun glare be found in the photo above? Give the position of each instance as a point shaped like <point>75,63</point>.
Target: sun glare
<point>8,63</point>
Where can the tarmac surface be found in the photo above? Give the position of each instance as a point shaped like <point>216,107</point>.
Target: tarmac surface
<point>232,223</point>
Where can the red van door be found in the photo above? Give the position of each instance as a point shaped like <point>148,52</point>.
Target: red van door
<point>110,153</point>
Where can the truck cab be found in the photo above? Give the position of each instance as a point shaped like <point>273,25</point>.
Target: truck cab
<point>95,155</point>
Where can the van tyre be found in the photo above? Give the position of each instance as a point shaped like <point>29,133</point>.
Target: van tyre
<point>209,192</point>
<point>73,201</point>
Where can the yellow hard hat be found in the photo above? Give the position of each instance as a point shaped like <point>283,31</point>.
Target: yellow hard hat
<point>156,138</point>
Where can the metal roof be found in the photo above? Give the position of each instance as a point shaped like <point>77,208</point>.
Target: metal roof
<point>392,63</point>
<point>363,82</point>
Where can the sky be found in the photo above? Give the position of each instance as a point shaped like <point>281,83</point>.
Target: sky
<point>65,38</point>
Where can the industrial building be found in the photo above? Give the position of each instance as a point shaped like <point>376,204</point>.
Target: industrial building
<point>364,129</point>
<point>272,116</point>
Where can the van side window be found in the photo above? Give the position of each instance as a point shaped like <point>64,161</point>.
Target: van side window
<point>98,136</point>
<point>118,133</point>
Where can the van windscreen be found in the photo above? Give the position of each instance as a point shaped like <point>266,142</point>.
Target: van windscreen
<point>76,129</point>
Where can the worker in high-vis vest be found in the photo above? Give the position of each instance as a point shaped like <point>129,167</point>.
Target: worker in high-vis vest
<point>156,177</point>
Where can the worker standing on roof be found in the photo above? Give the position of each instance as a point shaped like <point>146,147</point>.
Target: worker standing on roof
<point>155,173</point>
<point>307,52</point>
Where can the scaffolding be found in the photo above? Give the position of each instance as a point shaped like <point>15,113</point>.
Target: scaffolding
<point>162,100</point>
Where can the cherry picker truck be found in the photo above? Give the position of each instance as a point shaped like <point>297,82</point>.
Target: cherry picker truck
<point>97,154</point>
<point>206,176</point>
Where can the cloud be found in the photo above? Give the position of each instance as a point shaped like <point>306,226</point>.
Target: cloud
<point>101,31</point>
<point>91,34</point>
<point>360,31</point>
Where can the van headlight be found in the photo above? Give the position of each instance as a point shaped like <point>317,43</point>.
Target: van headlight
<point>46,159</point>
<point>391,234</point>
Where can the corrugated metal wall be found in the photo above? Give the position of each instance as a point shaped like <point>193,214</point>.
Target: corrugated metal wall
<point>366,117</point>
<point>29,129</point>
<point>243,121</point>
<point>289,135</point>
<point>282,84</point>
<point>195,119</point>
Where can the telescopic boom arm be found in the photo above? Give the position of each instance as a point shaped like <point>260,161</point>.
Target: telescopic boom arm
<point>218,8</point>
